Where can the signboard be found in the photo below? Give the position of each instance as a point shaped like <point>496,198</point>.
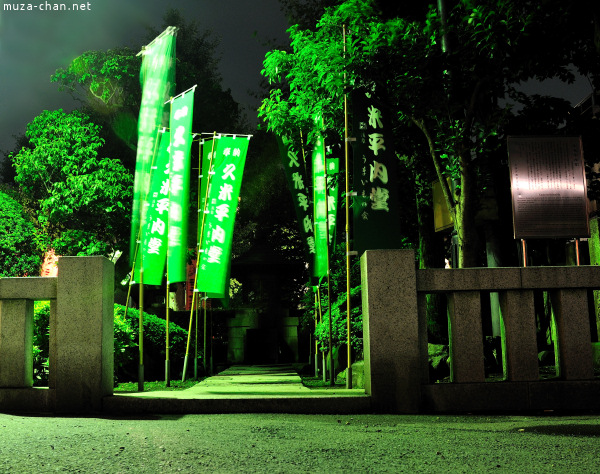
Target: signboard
<point>547,177</point>
<point>376,207</point>
<point>442,219</point>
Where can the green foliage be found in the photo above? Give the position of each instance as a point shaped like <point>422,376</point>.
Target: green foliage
<point>41,341</point>
<point>339,328</point>
<point>453,81</point>
<point>20,254</point>
<point>125,341</point>
<point>81,201</point>
<point>155,386</point>
<point>108,79</point>
<point>154,333</point>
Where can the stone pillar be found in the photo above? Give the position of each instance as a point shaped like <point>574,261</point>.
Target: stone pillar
<point>84,351</point>
<point>466,337</point>
<point>391,330</point>
<point>519,346</point>
<point>573,348</point>
<point>16,343</point>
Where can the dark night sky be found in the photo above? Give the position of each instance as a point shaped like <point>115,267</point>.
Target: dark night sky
<point>33,44</point>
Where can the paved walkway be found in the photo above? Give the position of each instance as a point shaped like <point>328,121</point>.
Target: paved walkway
<point>255,388</point>
<point>244,381</point>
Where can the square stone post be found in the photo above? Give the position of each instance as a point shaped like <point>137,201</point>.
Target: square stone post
<point>392,370</point>
<point>573,349</point>
<point>518,331</point>
<point>84,349</point>
<point>466,337</point>
<point>16,343</point>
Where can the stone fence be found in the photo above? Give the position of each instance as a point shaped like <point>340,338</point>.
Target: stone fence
<point>81,338</point>
<point>394,333</point>
<point>395,336</point>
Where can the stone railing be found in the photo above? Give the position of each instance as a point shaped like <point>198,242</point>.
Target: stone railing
<point>395,336</point>
<point>81,338</point>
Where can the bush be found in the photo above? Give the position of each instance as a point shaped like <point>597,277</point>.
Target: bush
<point>41,342</point>
<point>339,324</point>
<point>125,341</point>
<point>155,329</point>
<point>19,252</point>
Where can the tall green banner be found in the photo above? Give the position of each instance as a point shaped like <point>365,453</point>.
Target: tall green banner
<point>333,168</point>
<point>320,207</point>
<point>179,178</point>
<point>156,77</point>
<point>223,193</point>
<point>298,184</point>
<point>152,251</point>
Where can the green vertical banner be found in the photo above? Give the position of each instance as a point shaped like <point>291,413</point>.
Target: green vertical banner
<point>298,184</point>
<point>156,77</point>
<point>376,208</point>
<point>153,248</point>
<point>333,168</point>
<point>320,207</point>
<point>179,179</point>
<point>224,190</point>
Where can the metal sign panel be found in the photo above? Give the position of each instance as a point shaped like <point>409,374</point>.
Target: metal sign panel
<point>442,219</point>
<point>547,177</point>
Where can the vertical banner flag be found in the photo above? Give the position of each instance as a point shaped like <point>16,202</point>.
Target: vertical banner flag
<point>224,189</point>
<point>376,206</point>
<point>297,181</point>
<point>153,247</point>
<point>333,168</point>
<point>320,207</point>
<point>156,77</point>
<point>179,179</point>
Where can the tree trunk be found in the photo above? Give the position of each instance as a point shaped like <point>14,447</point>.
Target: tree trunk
<point>431,256</point>
<point>464,221</point>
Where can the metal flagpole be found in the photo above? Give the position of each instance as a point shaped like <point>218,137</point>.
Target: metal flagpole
<point>204,304</point>
<point>348,342</point>
<point>141,297</point>
<point>331,368</point>
<point>167,361</point>
<point>324,362</point>
<point>316,340</point>
<point>199,247</point>
<point>135,256</point>
<point>196,345</point>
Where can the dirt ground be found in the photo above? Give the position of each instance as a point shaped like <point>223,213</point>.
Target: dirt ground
<point>300,443</point>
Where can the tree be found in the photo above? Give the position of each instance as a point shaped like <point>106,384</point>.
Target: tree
<point>20,254</point>
<point>454,78</point>
<point>81,201</point>
<point>108,84</point>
